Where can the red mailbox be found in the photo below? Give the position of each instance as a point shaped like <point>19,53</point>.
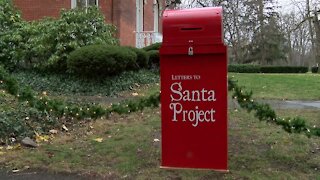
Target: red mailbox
<point>193,66</point>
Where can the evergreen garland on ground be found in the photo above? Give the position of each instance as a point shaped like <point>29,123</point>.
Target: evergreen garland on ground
<point>55,110</point>
<point>264,112</point>
<point>58,108</point>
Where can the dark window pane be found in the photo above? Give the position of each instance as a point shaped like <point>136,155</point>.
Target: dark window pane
<point>81,3</point>
<point>92,2</point>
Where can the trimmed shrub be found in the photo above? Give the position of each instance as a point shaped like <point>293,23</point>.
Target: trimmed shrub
<point>155,46</point>
<point>100,61</point>
<point>46,44</point>
<point>314,69</point>
<point>142,57</point>
<point>284,69</point>
<point>154,58</point>
<point>243,68</point>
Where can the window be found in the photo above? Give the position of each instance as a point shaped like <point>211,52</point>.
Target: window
<point>83,3</point>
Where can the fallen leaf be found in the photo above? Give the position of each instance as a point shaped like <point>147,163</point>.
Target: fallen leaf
<point>2,153</point>
<point>9,148</point>
<point>53,131</point>
<point>98,140</point>
<point>135,94</point>
<point>64,127</point>
<point>13,140</point>
<point>44,138</point>
<point>40,138</point>
<point>15,170</point>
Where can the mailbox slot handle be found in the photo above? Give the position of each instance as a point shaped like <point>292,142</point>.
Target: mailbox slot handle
<point>191,29</point>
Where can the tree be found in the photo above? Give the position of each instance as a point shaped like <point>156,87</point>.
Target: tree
<point>309,12</point>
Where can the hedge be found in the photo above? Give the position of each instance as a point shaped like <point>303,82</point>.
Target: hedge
<point>314,69</point>
<point>142,57</point>
<point>101,60</point>
<point>154,58</point>
<point>244,68</point>
<point>247,68</point>
<point>155,46</point>
<point>284,69</point>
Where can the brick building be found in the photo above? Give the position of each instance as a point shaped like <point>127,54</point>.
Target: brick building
<point>137,21</point>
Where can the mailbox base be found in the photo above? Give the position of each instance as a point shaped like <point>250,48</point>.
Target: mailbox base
<point>177,168</point>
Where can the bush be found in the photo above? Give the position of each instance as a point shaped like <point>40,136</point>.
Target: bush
<point>8,15</point>
<point>243,68</point>
<point>284,69</point>
<point>154,58</point>
<point>7,82</point>
<point>142,57</point>
<point>100,60</point>
<point>46,44</point>
<point>9,22</point>
<point>314,69</point>
<point>155,46</point>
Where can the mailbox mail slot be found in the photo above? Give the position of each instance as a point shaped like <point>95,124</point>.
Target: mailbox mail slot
<point>193,68</point>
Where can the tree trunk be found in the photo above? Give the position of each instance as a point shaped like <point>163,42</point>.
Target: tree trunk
<point>262,33</point>
<point>311,31</point>
<point>317,30</point>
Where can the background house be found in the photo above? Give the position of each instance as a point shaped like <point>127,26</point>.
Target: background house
<point>137,20</point>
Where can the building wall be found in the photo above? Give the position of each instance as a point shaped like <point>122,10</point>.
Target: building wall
<point>106,7</point>
<point>121,13</point>
<point>125,20</point>
<point>37,9</point>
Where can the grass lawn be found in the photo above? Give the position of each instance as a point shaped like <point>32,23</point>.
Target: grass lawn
<point>257,150</point>
<point>281,86</point>
<point>124,146</point>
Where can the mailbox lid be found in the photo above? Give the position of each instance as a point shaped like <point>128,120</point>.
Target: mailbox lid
<point>201,24</point>
<point>199,28</point>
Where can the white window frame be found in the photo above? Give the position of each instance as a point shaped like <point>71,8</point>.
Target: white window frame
<point>74,3</point>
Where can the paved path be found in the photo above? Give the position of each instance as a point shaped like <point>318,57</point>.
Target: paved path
<point>278,104</point>
<point>293,104</point>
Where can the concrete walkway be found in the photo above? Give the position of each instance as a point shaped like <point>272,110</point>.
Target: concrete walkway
<point>293,104</point>
<point>278,104</point>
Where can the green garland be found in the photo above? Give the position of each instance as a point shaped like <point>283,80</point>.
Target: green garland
<point>60,108</point>
<point>264,112</point>
<point>39,107</point>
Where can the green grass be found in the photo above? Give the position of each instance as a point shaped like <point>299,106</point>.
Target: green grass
<point>257,150</point>
<point>281,86</point>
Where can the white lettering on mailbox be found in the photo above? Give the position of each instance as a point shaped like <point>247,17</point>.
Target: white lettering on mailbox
<point>195,116</point>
